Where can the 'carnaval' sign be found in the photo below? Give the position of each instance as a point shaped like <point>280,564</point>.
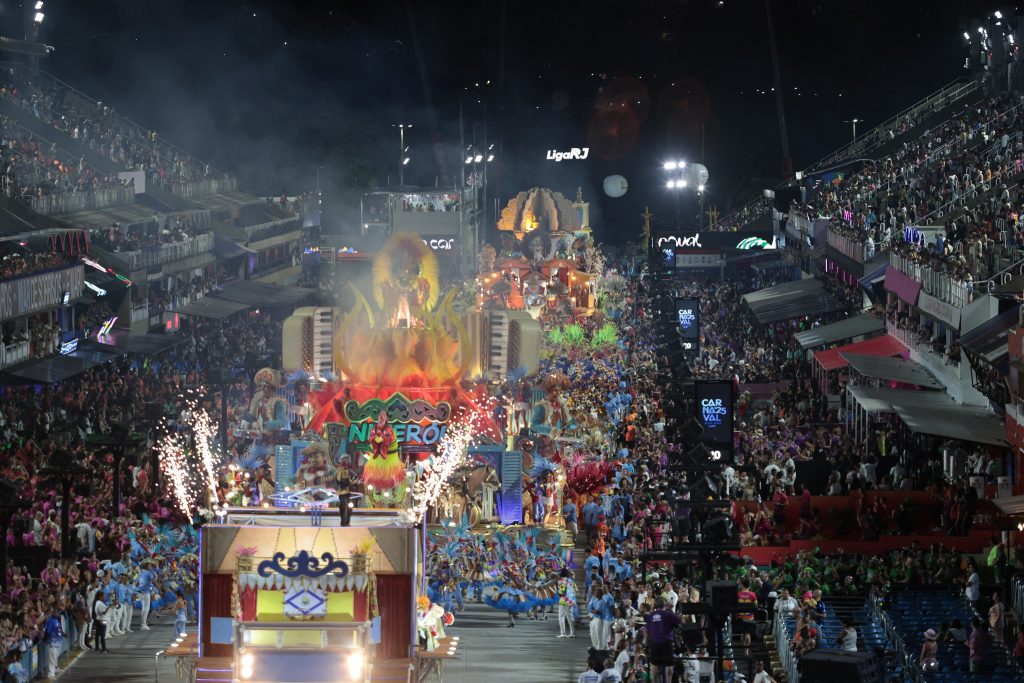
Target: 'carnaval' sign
<point>714,411</point>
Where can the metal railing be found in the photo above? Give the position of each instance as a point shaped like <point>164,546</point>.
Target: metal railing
<point>910,666</point>
<point>202,188</point>
<point>140,313</point>
<point>14,353</point>
<point>787,658</point>
<point>157,255</point>
<point>254,232</point>
<point>936,282</point>
<point>910,339</point>
<point>67,202</point>
<point>948,94</point>
<point>848,246</point>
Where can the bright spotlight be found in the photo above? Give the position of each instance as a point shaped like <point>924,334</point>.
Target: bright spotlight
<point>478,158</point>
<point>981,29</point>
<point>39,5</point>
<point>967,36</point>
<point>681,164</point>
<point>700,188</point>
<point>39,17</point>
<point>490,157</point>
<point>681,183</point>
<point>354,663</point>
<point>469,160</point>
<point>405,161</point>
<point>999,15</point>
<point>671,184</point>
<point>670,165</point>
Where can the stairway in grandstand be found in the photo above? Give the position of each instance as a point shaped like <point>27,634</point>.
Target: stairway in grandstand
<point>871,634</point>
<point>912,611</point>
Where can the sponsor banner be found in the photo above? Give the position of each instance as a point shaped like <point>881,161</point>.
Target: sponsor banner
<point>937,308</point>
<point>36,292</point>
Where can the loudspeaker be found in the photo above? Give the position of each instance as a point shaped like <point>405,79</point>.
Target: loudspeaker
<point>723,594</point>
<point>840,667</point>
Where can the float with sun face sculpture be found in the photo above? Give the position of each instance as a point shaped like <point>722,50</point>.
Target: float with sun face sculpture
<point>403,361</point>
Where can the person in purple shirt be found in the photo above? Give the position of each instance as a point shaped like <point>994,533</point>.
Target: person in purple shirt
<point>661,624</point>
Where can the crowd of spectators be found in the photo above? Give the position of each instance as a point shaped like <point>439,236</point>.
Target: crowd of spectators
<point>958,174</point>
<point>19,264</point>
<point>633,610</point>
<point>173,228</point>
<point>52,426</point>
<point>36,168</point>
<point>102,128</point>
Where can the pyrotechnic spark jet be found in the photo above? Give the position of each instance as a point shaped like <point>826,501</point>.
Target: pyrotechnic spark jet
<point>451,453</point>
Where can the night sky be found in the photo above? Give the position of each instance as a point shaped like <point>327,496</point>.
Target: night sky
<point>274,90</point>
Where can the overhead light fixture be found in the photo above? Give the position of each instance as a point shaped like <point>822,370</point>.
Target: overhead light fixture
<point>967,36</point>
<point>681,183</point>
<point>405,161</point>
<point>682,164</point>
<point>39,5</point>
<point>490,157</point>
<point>999,15</point>
<point>670,165</point>
<point>469,159</point>
<point>39,17</point>
<point>671,184</point>
<point>700,188</point>
<point>478,158</point>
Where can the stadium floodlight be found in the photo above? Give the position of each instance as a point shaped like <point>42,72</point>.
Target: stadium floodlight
<point>469,159</point>
<point>999,15</point>
<point>39,5</point>
<point>670,165</point>
<point>671,184</point>
<point>405,161</point>
<point>39,17</point>
<point>681,183</point>
<point>981,30</point>
<point>681,164</point>
<point>478,158</point>
<point>967,36</point>
<point>490,157</point>
<point>700,188</point>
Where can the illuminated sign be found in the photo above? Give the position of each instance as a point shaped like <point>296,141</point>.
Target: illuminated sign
<point>106,326</point>
<point>99,290</point>
<point>714,411</point>
<point>574,153</point>
<point>692,242</point>
<point>687,315</point>
<point>69,347</point>
<point>419,426</point>
<point>441,243</point>
<point>756,240</point>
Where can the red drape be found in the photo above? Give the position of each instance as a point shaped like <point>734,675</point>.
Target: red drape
<point>216,602</point>
<point>394,599</point>
<point>360,606</point>
<point>247,599</point>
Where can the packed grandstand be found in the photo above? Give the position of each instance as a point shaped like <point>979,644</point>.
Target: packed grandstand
<point>865,499</point>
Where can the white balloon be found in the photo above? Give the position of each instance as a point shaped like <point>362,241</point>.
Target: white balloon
<point>698,174</point>
<point>615,186</point>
